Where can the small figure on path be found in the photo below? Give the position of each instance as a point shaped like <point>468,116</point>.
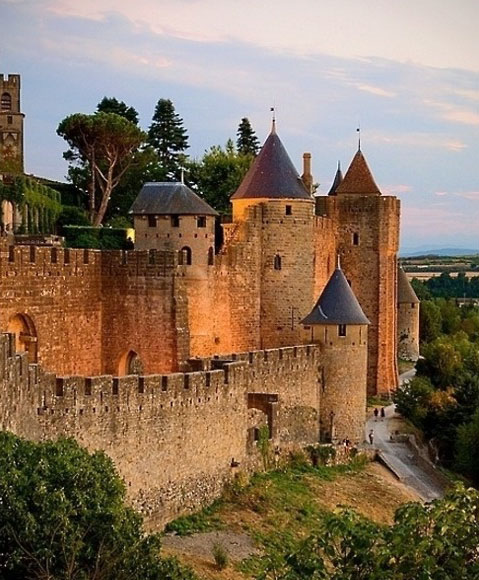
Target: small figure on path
<point>371,437</point>
<point>383,413</point>
<point>376,413</point>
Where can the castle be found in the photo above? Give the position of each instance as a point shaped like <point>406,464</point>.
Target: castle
<point>172,356</point>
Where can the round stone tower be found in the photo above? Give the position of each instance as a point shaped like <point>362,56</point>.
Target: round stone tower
<point>273,191</point>
<point>170,216</point>
<point>338,324</point>
<point>408,319</point>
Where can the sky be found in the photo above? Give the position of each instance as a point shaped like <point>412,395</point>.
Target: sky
<point>406,72</point>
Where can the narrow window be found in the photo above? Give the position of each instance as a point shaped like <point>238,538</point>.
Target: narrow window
<point>175,221</point>
<point>10,120</point>
<point>6,102</point>
<point>355,239</point>
<point>289,210</point>
<point>66,256</point>
<point>341,330</point>
<point>211,257</point>
<point>32,254</point>
<point>54,255</point>
<point>185,256</point>
<point>201,221</point>
<point>277,262</point>
<point>152,221</point>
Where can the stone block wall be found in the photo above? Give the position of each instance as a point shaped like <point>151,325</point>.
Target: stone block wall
<point>176,438</point>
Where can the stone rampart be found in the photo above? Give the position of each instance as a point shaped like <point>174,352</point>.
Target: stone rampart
<point>175,438</point>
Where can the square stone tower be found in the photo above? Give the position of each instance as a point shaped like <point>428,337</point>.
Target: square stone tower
<point>11,127</point>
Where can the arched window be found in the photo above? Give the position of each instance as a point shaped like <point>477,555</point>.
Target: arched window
<point>184,256</point>
<point>211,257</point>
<point>130,364</point>
<point>6,102</point>
<point>277,262</point>
<point>23,328</point>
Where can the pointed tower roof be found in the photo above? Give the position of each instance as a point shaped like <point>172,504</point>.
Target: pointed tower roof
<point>358,178</point>
<point>166,198</point>
<point>406,294</point>
<point>337,304</point>
<point>338,178</point>
<point>272,174</point>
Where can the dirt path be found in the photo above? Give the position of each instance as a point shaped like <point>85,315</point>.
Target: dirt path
<point>399,457</point>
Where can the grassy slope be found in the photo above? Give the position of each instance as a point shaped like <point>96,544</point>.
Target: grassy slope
<point>276,509</point>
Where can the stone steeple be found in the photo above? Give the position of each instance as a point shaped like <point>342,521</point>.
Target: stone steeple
<point>272,174</point>
<point>358,179</point>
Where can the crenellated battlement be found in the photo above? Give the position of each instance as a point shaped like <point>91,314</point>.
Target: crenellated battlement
<point>9,81</point>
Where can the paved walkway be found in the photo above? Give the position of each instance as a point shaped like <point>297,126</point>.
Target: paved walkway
<point>399,457</point>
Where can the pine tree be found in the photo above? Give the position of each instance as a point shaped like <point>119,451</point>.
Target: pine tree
<point>113,105</point>
<point>168,137</point>
<point>247,142</point>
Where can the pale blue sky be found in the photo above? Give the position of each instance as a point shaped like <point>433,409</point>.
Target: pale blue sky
<point>407,70</point>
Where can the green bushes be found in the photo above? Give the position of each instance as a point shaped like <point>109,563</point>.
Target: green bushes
<point>97,238</point>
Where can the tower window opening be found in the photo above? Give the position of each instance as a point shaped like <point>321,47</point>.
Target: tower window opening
<point>185,256</point>
<point>152,221</point>
<point>201,221</point>
<point>355,239</point>
<point>341,330</point>
<point>6,102</point>
<point>289,210</point>
<point>175,221</point>
<point>277,262</point>
<point>211,257</point>
<point>9,119</point>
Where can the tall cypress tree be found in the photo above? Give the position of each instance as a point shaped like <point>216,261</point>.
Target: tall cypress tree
<point>168,137</point>
<point>247,143</point>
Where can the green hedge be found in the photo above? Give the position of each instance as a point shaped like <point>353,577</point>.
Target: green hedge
<point>96,238</point>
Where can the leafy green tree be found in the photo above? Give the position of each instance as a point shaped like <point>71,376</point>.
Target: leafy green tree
<point>467,443</point>
<point>168,137</point>
<point>430,321</point>
<point>112,105</point>
<point>247,143</point>
<point>421,290</point>
<point>63,515</point>
<point>436,541</point>
<point>412,399</point>
<point>106,142</point>
<point>217,175</point>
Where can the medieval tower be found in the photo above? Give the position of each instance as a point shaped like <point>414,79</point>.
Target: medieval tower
<point>408,319</point>
<point>11,126</point>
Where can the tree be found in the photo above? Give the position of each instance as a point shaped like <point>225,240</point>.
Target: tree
<point>106,142</point>
<point>435,541</point>
<point>112,105</point>
<point>217,175</point>
<point>63,515</point>
<point>168,137</point>
<point>430,321</point>
<point>247,143</point>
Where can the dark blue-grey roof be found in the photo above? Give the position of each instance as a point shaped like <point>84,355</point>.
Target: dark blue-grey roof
<point>406,294</point>
<point>169,198</point>
<point>337,304</point>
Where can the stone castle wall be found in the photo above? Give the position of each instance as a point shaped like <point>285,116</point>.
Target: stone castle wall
<point>87,309</point>
<point>177,438</point>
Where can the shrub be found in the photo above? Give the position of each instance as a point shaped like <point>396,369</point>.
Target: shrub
<point>221,556</point>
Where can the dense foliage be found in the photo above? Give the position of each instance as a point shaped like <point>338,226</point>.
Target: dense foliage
<point>63,515</point>
<point>435,541</point>
<point>443,399</point>
<point>447,286</point>
<point>246,141</point>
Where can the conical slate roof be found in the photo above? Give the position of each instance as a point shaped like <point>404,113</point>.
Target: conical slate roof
<point>337,304</point>
<point>406,294</point>
<point>358,178</point>
<point>169,198</point>
<point>272,174</point>
<point>338,178</point>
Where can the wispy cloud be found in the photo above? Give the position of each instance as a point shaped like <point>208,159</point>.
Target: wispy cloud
<point>471,195</point>
<point>396,189</point>
<point>451,112</point>
<point>423,140</point>
<point>375,90</point>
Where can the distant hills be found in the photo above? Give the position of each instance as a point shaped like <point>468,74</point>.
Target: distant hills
<point>428,251</point>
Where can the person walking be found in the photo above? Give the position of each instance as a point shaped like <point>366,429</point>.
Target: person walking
<point>371,437</point>
<point>376,413</point>
<point>383,413</point>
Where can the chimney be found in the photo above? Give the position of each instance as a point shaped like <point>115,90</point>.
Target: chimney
<point>307,177</point>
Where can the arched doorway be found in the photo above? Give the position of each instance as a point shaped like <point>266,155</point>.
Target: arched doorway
<point>130,364</point>
<point>23,328</point>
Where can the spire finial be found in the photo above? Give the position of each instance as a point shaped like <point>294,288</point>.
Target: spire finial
<point>339,262</point>
<point>359,136</point>
<point>182,169</point>
<point>273,120</point>
<point>339,165</point>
